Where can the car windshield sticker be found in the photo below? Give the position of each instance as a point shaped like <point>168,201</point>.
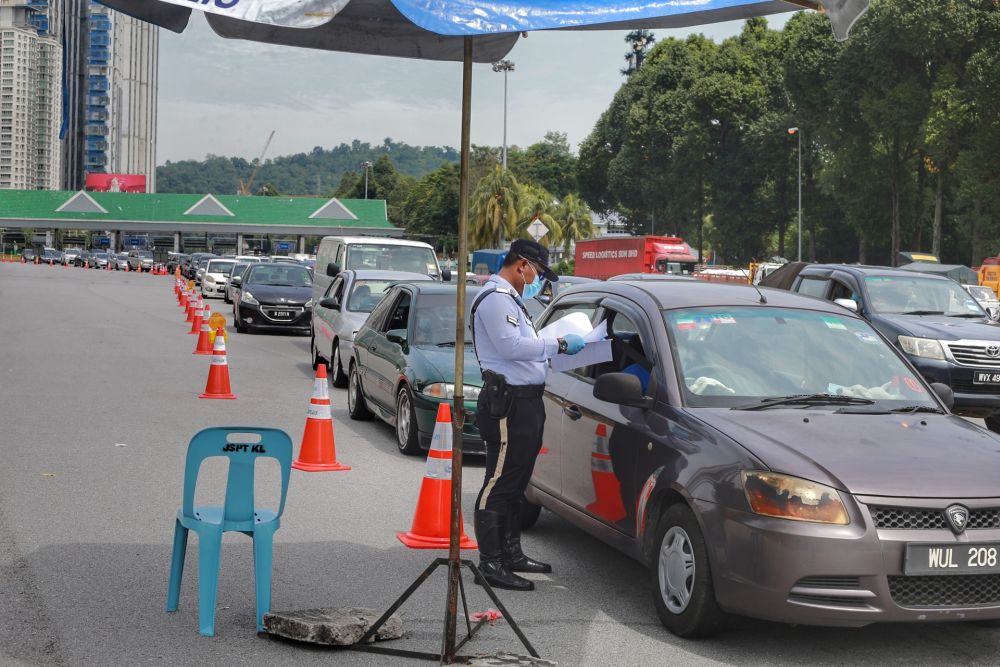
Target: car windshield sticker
<point>867,337</point>
<point>912,384</point>
<point>723,318</point>
<point>685,322</point>
<point>834,323</point>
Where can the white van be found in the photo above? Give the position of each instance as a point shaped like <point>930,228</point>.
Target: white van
<point>337,253</point>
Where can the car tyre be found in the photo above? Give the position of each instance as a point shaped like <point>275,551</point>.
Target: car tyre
<point>313,353</point>
<point>529,513</point>
<point>681,577</point>
<point>993,422</point>
<point>337,368</point>
<point>240,327</point>
<point>407,438</point>
<point>356,405</point>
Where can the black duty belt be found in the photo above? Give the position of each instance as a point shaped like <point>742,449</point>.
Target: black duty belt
<point>527,390</point>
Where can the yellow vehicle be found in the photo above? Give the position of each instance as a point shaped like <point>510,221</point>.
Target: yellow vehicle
<point>989,273</point>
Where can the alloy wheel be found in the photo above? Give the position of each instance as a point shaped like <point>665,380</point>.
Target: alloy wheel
<point>404,410</point>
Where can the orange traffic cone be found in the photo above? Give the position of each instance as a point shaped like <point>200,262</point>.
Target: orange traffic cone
<point>318,453</point>
<point>199,316</point>
<point>607,488</point>
<point>432,520</point>
<point>191,305</point>
<point>218,373</point>
<point>204,345</point>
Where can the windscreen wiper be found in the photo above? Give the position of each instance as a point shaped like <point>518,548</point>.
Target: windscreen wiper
<point>923,312</point>
<point>911,409</point>
<point>979,316</point>
<point>806,399</point>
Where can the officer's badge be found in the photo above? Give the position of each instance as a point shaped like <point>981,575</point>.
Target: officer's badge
<point>512,320</point>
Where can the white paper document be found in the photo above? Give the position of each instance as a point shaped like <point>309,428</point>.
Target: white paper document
<point>596,351</point>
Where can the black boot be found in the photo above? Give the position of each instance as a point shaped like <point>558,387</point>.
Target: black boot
<point>516,559</point>
<point>490,535</point>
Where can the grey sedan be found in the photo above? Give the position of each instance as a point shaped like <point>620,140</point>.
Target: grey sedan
<point>340,311</point>
<point>770,455</point>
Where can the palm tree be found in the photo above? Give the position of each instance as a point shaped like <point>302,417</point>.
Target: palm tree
<point>574,217</point>
<point>537,203</point>
<point>494,208</point>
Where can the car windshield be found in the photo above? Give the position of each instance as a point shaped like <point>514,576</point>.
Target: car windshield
<point>387,257</point>
<point>365,294</point>
<point>224,268</point>
<point>285,275</point>
<point>434,319</point>
<point>145,254</point>
<point>919,295</point>
<point>730,357</point>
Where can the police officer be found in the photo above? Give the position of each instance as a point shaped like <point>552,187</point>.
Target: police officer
<point>510,414</point>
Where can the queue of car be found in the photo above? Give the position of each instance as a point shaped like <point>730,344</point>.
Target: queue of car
<point>776,453</point>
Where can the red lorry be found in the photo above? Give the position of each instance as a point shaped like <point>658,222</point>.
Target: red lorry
<point>614,255</point>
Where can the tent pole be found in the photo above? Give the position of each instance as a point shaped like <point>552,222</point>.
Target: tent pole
<point>458,411</point>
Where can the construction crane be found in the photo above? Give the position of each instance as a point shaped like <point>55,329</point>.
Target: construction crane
<point>245,187</point>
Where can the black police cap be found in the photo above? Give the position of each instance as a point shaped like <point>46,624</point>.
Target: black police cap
<point>536,253</point>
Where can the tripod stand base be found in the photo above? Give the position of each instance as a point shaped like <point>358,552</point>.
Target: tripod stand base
<point>471,629</point>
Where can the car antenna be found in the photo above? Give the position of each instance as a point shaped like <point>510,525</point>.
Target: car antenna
<point>763,299</point>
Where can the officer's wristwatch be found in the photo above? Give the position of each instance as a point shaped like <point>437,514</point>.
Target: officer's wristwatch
<point>562,345</point>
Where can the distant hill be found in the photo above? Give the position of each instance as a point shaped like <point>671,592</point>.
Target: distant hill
<point>315,173</point>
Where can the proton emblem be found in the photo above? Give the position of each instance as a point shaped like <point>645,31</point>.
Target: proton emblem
<point>993,351</point>
<point>958,518</point>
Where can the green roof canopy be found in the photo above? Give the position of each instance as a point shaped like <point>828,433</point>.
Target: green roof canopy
<point>169,213</point>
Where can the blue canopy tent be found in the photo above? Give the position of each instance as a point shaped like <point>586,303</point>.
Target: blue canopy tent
<point>454,30</point>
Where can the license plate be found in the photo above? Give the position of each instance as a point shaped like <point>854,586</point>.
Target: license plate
<point>280,313</point>
<point>952,558</point>
<point>985,377</point>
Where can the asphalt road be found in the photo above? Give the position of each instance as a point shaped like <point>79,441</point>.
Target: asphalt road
<point>98,400</point>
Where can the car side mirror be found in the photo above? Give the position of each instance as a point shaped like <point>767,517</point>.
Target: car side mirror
<point>945,393</point>
<point>621,389</point>
<point>236,281</point>
<point>332,270</point>
<point>994,313</point>
<point>397,336</point>
<point>330,303</point>
<point>446,275</point>
<point>849,304</point>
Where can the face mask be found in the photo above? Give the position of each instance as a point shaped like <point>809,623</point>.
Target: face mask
<point>533,288</point>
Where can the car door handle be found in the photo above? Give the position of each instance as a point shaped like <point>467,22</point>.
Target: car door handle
<point>573,412</point>
<point>373,348</point>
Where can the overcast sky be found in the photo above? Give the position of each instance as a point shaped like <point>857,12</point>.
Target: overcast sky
<point>223,97</point>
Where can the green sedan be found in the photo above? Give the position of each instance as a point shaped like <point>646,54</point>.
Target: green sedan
<point>402,366</point>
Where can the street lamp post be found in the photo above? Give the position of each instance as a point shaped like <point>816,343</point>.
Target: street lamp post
<point>366,164</point>
<point>798,135</point>
<point>504,66</point>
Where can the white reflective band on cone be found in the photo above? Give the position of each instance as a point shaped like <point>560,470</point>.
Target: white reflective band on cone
<point>219,360</point>
<point>318,411</point>
<point>321,389</point>
<point>441,438</point>
<point>438,468</point>
<point>601,445</point>
<point>600,465</point>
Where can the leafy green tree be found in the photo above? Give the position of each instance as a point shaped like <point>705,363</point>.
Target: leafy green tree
<point>431,207</point>
<point>537,203</point>
<point>573,218</point>
<point>550,163</point>
<point>494,211</point>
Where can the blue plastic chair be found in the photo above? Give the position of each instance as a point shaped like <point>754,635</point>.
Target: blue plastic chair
<point>238,514</point>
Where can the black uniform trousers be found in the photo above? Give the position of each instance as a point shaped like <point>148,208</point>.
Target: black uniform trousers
<point>510,460</point>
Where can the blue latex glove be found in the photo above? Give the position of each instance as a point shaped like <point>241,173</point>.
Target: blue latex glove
<point>574,343</point>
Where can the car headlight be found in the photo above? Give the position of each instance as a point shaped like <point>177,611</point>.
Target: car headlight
<point>209,279</point>
<point>922,347</point>
<point>447,390</point>
<point>787,497</point>
<point>247,297</point>
<point>309,303</point>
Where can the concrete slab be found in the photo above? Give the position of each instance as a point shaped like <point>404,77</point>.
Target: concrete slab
<point>329,626</point>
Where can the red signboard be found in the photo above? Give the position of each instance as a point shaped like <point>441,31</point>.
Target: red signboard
<point>116,182</point>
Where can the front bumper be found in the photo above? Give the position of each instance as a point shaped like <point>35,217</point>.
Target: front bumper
<point>815,574</point>
<point>971,400</point>
<point>426,409</point>
<point>214,289</point>
<point>263,317</point>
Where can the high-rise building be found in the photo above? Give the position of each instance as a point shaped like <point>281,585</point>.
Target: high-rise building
<point>70,25</point>
<point>30,97</point>
<point>121,94</point>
